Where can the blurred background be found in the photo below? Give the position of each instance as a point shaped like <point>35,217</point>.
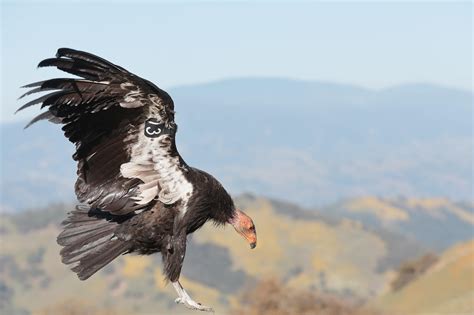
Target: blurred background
<point>343,128</point>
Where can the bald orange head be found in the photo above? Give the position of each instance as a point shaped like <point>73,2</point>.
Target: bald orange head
<point>243,224</point>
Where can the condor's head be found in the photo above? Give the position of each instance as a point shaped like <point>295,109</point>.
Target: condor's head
<point>243,224</point>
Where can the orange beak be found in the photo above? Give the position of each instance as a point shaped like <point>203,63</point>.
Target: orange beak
<point>251,238</point>
<point>243,224</point>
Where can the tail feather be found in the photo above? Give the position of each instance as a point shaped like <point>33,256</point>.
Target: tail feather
<point>76,254</point>
<point>73,234</point>
<point>91,265</point>
<point>88,242</point>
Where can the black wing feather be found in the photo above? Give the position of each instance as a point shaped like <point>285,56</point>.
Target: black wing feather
<point>88,58</point>
<point>102,113</point>
<point>43,116</point>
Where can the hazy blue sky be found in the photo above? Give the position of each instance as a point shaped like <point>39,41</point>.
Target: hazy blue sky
<point>374,45</point>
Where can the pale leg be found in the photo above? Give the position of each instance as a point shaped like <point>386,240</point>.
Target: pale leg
<point>184,298</point>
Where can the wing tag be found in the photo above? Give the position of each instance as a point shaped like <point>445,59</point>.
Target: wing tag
<point>154,129</point>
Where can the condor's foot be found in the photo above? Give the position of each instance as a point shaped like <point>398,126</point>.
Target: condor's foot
<point>185,299</point>
<point>191,304</point>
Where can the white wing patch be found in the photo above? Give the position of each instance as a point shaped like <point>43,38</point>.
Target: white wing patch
<point>133,98</point>
<point>160,172</point>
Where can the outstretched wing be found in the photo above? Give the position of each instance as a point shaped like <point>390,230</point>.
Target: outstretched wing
<point>124,130</point>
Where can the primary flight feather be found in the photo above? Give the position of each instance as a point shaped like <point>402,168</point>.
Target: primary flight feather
<point>136,193</point>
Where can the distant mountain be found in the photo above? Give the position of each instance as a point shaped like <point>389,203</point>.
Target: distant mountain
<point>436,223</point>
<point>308,142</point>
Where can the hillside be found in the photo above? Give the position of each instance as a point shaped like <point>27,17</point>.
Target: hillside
<point>308,142</point>
<point>306,250</point>
<point>436,223</point>
<point>446,288</point>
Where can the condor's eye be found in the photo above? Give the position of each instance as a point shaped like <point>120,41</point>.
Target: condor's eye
<point>252,228</point>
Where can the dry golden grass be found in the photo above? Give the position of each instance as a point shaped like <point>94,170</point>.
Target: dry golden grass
<point>411,270</point>
<point>134,266</point>
<point>271,296</point>
<point>74,307</point>
<point>447,287</point>
<point>320,247</point>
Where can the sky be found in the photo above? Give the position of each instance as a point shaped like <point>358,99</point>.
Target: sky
<point>369,44</point>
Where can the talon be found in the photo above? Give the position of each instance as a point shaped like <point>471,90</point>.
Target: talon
<point>198,306</point>
<point>185,299</point>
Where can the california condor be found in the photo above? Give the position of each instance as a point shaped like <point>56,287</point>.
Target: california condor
<point>136,193</point>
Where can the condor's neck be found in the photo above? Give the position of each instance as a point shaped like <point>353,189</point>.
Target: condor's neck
<point>219,216</point>
<point>210,201</point>
<point>224,216</point>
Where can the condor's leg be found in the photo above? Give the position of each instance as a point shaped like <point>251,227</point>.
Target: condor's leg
<point>173,257</point>
<point>185,299</point>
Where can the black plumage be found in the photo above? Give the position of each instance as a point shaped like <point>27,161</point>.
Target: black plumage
<point>137,194</point>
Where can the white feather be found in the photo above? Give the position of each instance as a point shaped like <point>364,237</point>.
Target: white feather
<point>153,164</point>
